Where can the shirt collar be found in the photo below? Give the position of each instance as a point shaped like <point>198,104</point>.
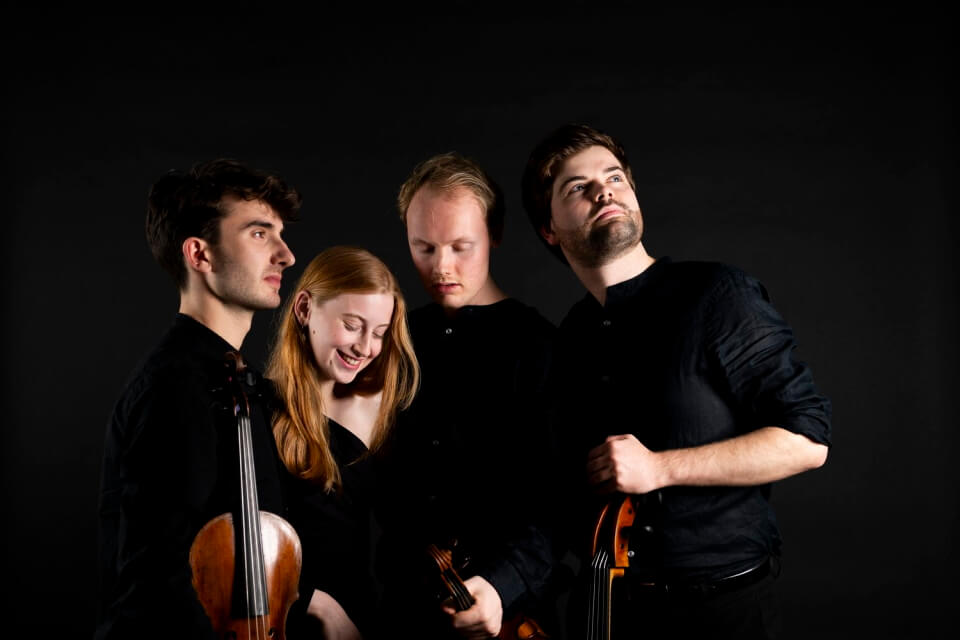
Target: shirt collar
<point>205,342</point>
<point>623,291</point>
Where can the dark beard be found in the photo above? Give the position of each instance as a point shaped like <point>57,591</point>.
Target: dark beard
<point>604,243</point>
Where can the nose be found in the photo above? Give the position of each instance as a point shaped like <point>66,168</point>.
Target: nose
<point>444,260</point>
<point>362,346</point>
<point>602,192</point>
<point>283,255</point>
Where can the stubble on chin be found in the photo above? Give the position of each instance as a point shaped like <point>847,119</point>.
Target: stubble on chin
<point>602,244</point>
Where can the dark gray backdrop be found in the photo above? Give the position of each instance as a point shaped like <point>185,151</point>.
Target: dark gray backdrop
<point>812,149</point>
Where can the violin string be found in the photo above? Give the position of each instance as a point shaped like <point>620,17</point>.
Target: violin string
<point>253,514</point>
<point>243,497</point>
<point>258,565</point>
<point>466,600</point>
<point>263,607</point>
<point>598,602</point>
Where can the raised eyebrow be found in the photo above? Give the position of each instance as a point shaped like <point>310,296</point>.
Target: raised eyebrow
<point>564,184</point>
<point>611,169</point>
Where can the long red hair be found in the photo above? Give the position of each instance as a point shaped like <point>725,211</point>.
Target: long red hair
<point>300,426</point>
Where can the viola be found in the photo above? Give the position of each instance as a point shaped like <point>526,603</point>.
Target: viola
<point>519,627</point>
<point>610,556</point>
<point>246,573</point>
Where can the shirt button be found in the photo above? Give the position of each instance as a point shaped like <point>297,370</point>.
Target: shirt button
<point>448,331</point>
<point>605,379</point>
<point>606,323</point>
<point>435,443</point>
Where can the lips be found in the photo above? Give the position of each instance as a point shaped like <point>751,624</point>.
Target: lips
<point>609,212</point>
<point>446,287</point>
<point>349,361</point>
<point>274,280</point>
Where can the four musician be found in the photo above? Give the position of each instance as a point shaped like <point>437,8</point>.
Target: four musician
<point>670,391</point>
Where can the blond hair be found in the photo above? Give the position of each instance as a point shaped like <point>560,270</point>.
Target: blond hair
<point>449,171</point>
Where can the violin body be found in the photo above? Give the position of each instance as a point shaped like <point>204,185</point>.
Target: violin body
<point>520,627</point>
<point>610,556</point>
<point>246,568</point>
<point>213,562</point>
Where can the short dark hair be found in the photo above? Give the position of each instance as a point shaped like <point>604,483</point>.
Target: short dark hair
<point>184,204</point>
<point>540,172</point>
<point>446,172</point>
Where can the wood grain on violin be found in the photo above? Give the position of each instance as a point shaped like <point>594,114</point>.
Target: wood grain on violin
<point>518,627</point>
<point>610,556</point>
<point>246,573</point>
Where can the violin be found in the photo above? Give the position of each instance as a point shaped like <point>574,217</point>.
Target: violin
<point>610,556</point>
<point>246,573</point>
<point>519,627</point>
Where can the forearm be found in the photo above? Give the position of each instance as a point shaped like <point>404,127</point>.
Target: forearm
<point>759,457</point>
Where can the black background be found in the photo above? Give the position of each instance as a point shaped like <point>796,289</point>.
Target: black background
<point>814,150</point>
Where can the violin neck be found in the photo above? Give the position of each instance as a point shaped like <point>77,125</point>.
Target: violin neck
<point>461,595</point>
<point>250,591</point>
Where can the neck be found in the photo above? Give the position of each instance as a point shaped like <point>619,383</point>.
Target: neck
<point>326,394</point>
<point>229,322</point>
<point>489,293</point>
<point>622,268</point>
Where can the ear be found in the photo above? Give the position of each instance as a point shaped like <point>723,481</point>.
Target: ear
<point>196,254</point>
<point>301,307</point>
<point>547,232</point>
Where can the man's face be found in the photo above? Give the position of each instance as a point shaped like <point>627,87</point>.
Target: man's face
<point>450,245</point>
<point>248,260</point>
<point>595,216</point>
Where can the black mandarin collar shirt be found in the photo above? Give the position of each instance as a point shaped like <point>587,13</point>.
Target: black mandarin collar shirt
<point>684,354</point>
<point>464,461</point>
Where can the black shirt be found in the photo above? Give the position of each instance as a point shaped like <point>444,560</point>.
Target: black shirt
<point>465,461</point>
<point>169,466</point>
<point>685,354</point>
<point>335,531</point>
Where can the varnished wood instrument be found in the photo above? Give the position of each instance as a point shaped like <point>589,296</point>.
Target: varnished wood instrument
<point>519,627</point>
<point>610,556</point>
<point>246,573</point>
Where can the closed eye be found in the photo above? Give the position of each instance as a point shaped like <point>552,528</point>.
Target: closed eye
<point>423,248</point>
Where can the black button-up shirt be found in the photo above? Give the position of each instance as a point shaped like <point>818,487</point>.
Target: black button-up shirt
<point>685,354</point>
<point>170,465</point>
<point>465,461</point>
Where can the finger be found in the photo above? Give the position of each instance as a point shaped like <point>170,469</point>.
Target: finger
<point>597,464</point>
<point>601,476</point>
<point>604,487</point>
